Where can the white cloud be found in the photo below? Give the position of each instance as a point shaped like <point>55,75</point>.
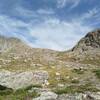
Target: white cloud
<point>52,33</point>
<point>58,35</point>
<point>91,17</point>
<point>75,3</point>
<point>34,15</point>
<point>9,26</point>
<point>45,11</point>
<point>21,11</point>
<point>90,14</point>
<point>63,3</point>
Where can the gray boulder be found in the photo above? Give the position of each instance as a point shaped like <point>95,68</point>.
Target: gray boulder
<point>47,96</point>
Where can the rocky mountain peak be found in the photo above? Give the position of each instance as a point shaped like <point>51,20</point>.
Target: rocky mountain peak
<point>91,40</point>
<point>8,42</point>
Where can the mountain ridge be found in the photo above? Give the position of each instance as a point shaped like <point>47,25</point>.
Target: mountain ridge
<point>88,47</point>
<point>91,39</point>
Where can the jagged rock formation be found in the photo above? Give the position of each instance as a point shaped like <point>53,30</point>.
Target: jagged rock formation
<point>86,51</point>
<point>88,48</point>
<point>91,40</point>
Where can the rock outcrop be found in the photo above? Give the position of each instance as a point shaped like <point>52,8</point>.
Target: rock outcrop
<point>16,80</point>
<point>80,96</point>
<point>47,96</point>
<point>91,40</point>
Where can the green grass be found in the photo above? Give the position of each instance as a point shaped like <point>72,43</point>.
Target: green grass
<point>76,89</point>
<point>4,90</point>
<point>20,94</point>
<point>97,73</point>
<point>32,86</point>
<point>3,87</point>
<point>93,62</point>
<point>54,79</point>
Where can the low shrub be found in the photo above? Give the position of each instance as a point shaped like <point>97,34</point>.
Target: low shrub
<point>33,86</point>
<point>97,73</point>
<point>20,94</point>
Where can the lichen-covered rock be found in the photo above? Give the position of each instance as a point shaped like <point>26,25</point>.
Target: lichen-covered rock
<point>47,96</point>
<point>71,97</point>
<point>41,76</point>
<point>92,39</point>
<point>80,96</point>
<point>95,96</point>
<point>17,80</point>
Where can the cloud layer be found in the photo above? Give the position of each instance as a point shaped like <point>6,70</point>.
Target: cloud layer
<point>63,3</point>
<point>56,25</point>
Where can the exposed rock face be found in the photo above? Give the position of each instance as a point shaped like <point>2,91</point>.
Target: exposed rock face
<point>80,96</point>
<point>92,39</point>
<point>86,50</point>
<point>17,80</point>
<point>47,96</point>
<point>40,76</point>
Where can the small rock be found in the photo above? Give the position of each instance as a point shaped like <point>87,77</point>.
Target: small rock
<point>58,74</point>
<point>47,96</point>
<point>60,85</point>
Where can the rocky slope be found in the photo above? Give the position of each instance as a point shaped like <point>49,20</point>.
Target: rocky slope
<point>14,54</point>
<point>91,40</point>
<point>86,51</point>
<point>53,75</point>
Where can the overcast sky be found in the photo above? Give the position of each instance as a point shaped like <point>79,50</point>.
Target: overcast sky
<point>52,24</point>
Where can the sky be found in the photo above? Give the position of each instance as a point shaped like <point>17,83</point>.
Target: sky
<point>51,24</point>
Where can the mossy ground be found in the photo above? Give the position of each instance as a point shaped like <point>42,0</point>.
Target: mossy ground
<point>76,89</point>
<point>97,73</point>
<point>20,94</point>
<point>71,78</point>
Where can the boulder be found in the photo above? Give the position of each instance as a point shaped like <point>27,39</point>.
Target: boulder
<point>47,96</point>
<point>19,79</point>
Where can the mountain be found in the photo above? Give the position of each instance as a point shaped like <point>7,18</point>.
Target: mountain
<point>91,40</point>
<point>16,51</point>
<point>42,72</point>
<point>88,48</point>
<point>86,51</point>
<point>6,43</point>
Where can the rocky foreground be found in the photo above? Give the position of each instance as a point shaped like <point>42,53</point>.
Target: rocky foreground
<point>41,74</point>
<point>76,96</point>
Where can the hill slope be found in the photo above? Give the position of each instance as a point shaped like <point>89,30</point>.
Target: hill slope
<point>91,40</point>
<point>13,52</point>
<point>87,50</point>
<point>28,72</point>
